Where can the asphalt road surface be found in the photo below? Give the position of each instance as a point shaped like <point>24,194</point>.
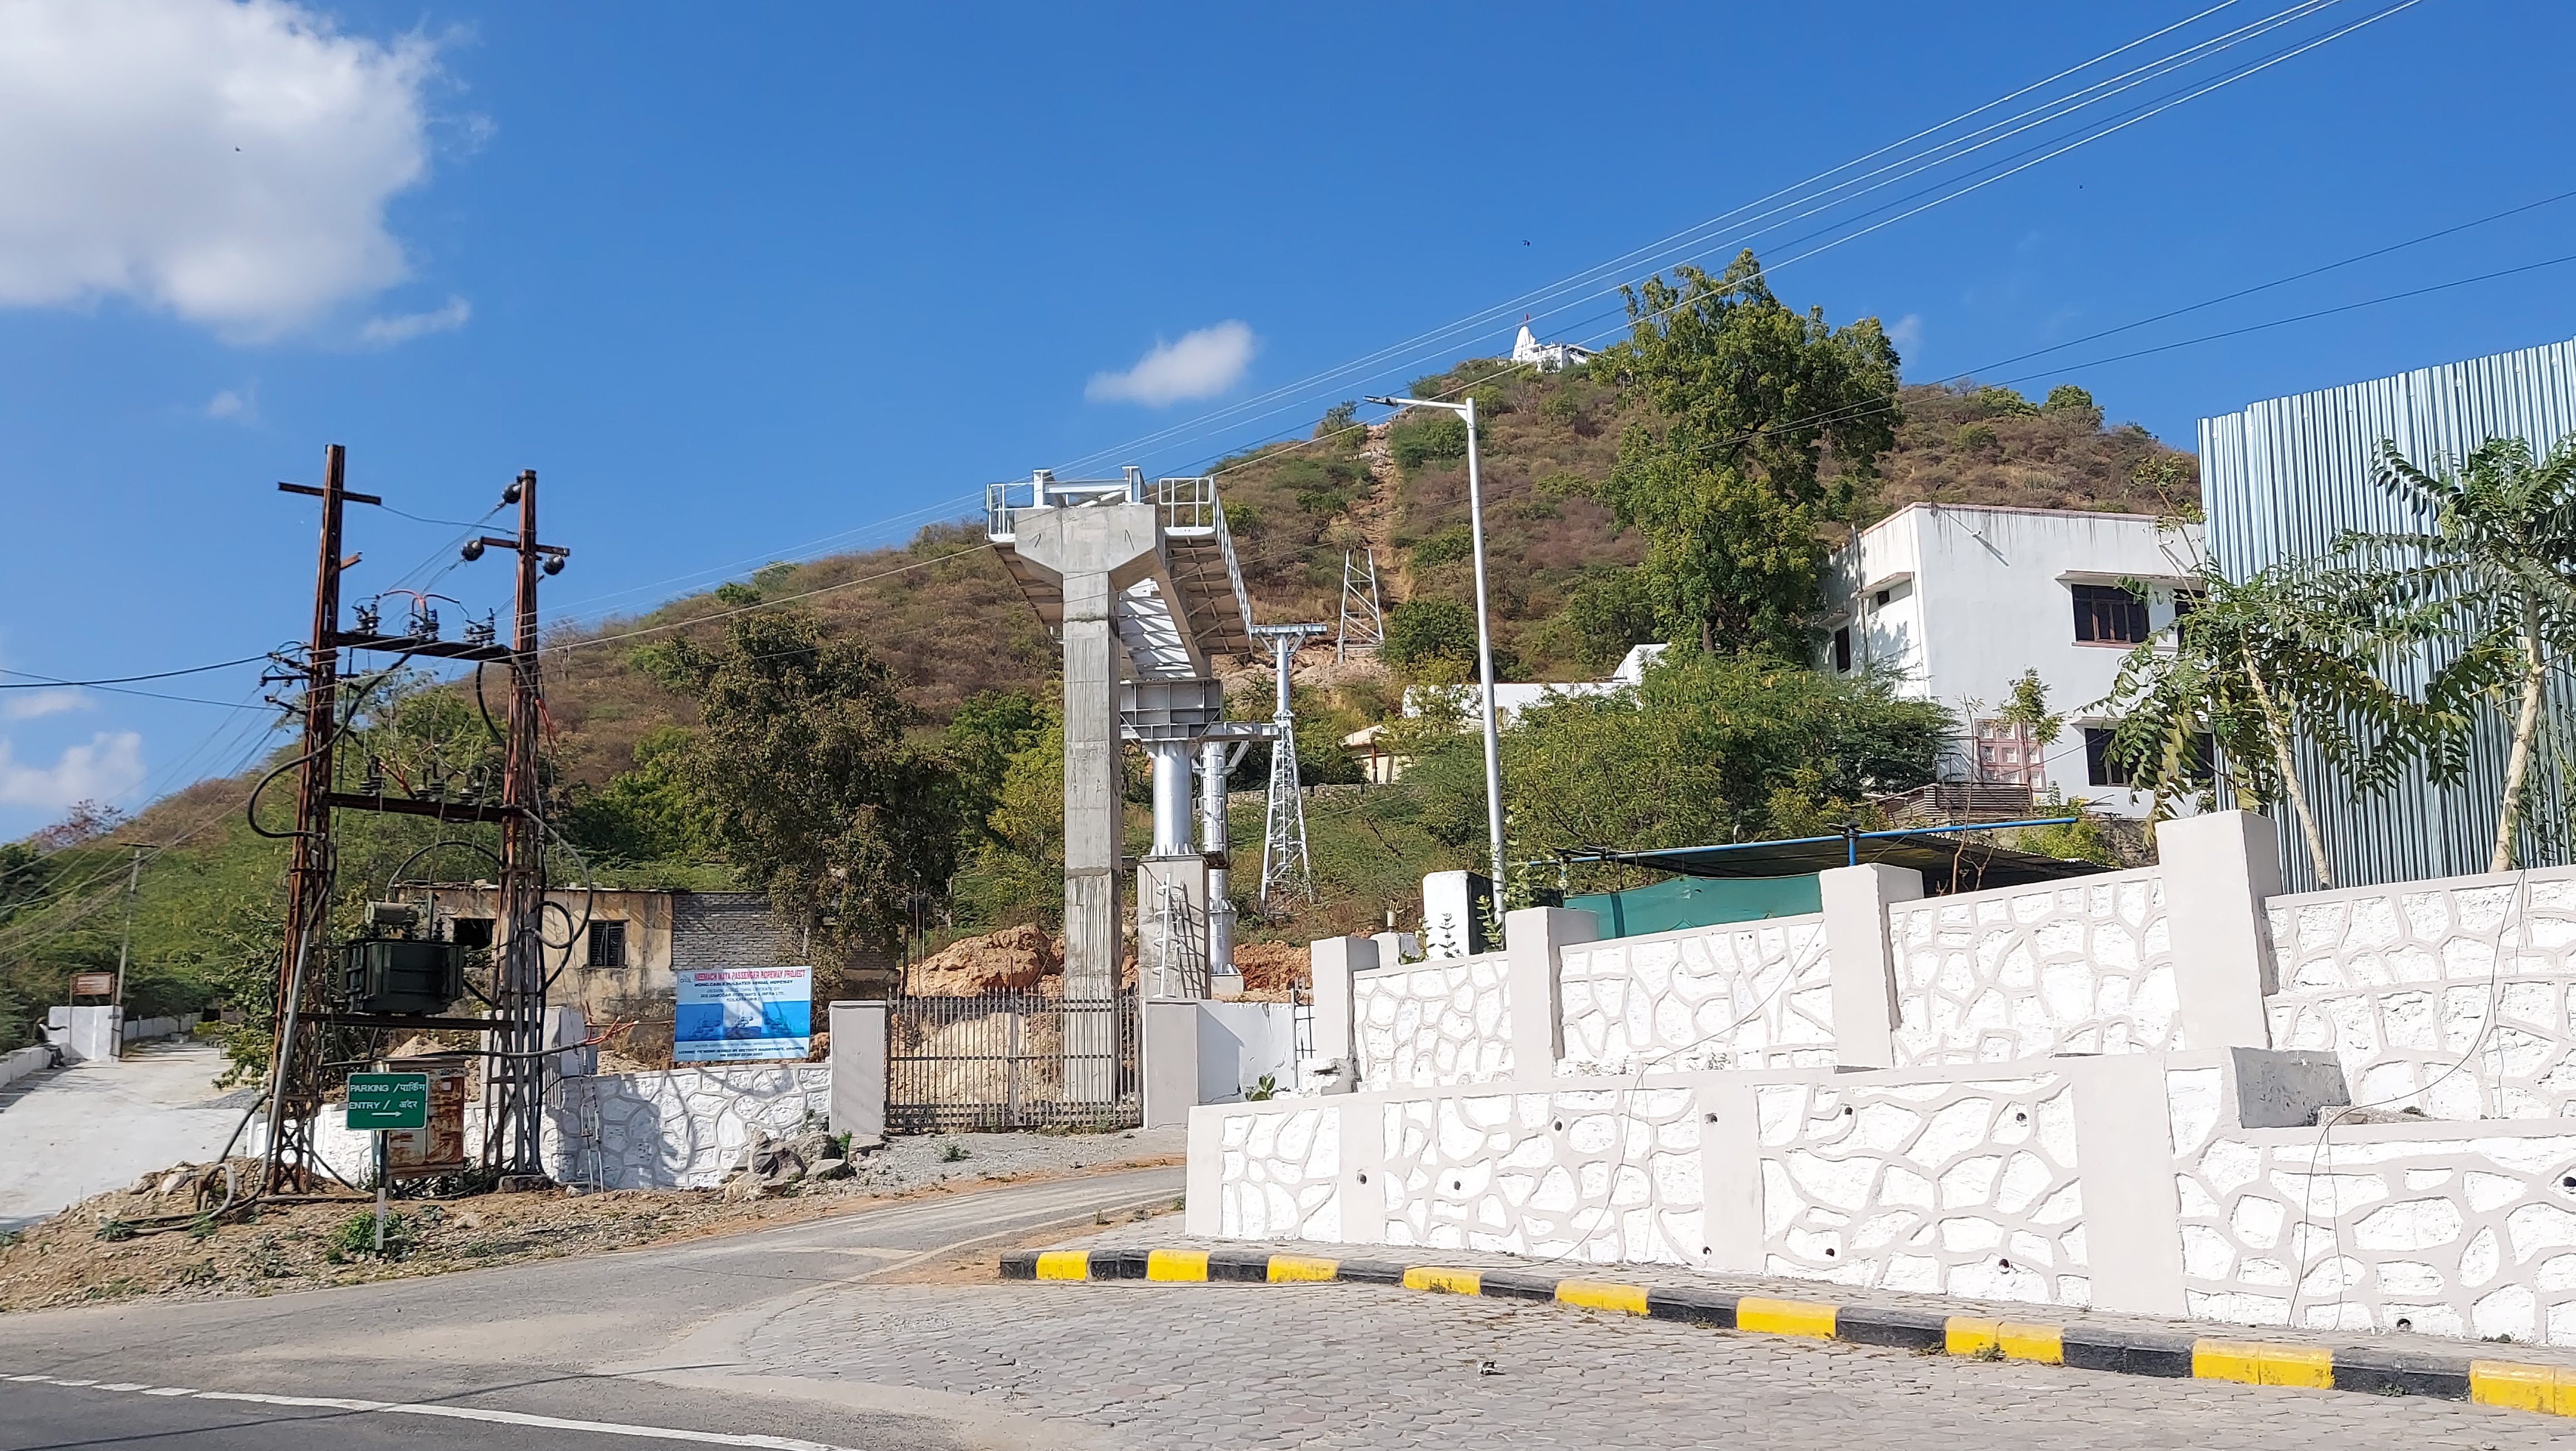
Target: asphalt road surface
<point>827,1335</point>
<point>637,1349</point>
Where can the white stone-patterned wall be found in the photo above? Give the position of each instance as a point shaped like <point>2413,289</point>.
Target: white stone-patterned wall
<point>2456,997</point>
<point>1959,1188</point>
<point>2025,972</point>
<point>2443,1229</point>
<point>683,1129</point>
<point>1434,1023</point>
<point>1747,995</point>
<point>1598,1175</point>
<point>1282,1174</point>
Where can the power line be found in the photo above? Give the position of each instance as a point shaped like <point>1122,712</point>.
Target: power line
<point>43,682</point>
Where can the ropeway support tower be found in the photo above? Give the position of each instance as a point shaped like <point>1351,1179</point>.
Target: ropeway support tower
<point>1285,866</point>
<point>1137,579</point>
<point>1362,630</point>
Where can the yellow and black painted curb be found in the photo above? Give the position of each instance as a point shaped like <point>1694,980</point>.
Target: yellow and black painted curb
<point>2519,1386</point>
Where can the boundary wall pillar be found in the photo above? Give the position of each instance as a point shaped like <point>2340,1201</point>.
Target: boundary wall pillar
<point>2218,869</point>
<point>1855,903</point>
<point>1532,938</point>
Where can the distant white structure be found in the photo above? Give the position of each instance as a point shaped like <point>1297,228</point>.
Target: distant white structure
<point>1546,357</point>
<point>1513,698</point>
<point>1958,602</point>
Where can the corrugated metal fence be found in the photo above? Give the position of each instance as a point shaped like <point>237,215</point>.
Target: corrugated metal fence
<point>2283,478</point>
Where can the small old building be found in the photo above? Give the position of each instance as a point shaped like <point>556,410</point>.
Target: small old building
<point>613,954</point>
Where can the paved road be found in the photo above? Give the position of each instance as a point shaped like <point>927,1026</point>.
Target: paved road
<point>92,1127</point>
<point>801,1337</point>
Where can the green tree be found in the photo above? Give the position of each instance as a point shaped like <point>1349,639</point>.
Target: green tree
<point>2491,579</point>
<point>805,777</point>
<point>1728,484</point>
<point>648,814</point>
<point>1710,748</point>
<point>2068,401</point>
<point>2250,667</point>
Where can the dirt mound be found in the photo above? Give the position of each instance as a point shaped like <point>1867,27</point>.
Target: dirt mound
<point>1015,959</point>
<point>1270,968</point>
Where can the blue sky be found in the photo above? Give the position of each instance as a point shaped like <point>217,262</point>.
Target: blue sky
<point>800,280</point>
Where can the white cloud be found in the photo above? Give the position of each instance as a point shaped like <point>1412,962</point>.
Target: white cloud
<point>108,767</point>
<point>229,162</point>
<point>386,331</point>
<point>1201,365</point>
<point>1907,334</point>
<point>36,703</point>
<point>242,404</point>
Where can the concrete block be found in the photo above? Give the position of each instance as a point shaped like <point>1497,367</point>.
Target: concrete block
<point>1532,939</point>
<point>1332,961</point>
<point>1855,901</point>
<point>1454,908</point>
<point>858,1094</point>
<point>2218,869</point>
<point>1171,1052</point>
<point>2282,1090</point>
<point>2125,1160</point>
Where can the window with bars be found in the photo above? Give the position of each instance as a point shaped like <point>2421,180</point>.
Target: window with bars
<point>2108,614</point>
<point>607,944</point>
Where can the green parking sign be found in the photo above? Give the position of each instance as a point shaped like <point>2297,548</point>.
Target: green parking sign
<point>388,1100</point>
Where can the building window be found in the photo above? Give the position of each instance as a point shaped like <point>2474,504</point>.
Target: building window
<point>2100,770</point>
<point>2007,755</point>
<point>470,931</point>
<point>607,944</point>
<point>2110,615</point>
<point>1842,649</point>
<point>2098,767</point>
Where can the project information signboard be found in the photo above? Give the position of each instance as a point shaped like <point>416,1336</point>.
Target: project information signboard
<point>732,1014</point>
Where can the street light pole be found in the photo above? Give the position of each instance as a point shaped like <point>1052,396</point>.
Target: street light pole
<point>1484,632</point>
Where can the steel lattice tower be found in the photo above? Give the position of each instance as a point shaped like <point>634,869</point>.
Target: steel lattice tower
<point>1285,866</point>
<point>1363,625</point>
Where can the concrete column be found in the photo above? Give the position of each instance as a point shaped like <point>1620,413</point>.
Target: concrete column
<point>2218,870</point>
<point>1856,900</point>
<point>859,1059</point>
<point>2125,1156</point>
<point>1214,844</point>
<point>1333,961</point>
<point>1171,796</point>
<point>1532,938</point>
<point>1730,1160</point>
<point>1171,1049</point>
<point>1091,844</point>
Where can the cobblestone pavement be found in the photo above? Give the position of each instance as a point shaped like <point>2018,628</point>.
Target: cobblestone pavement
<point>1363,1366</point>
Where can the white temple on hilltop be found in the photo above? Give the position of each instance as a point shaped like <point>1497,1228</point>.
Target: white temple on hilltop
<point>1547,356</point>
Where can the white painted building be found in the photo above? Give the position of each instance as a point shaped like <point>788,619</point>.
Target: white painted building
<point>1959,601</point>
<point>1513,697</point>
<point>1548,357</point>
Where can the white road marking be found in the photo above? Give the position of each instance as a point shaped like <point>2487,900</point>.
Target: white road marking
<point>461,1413</point>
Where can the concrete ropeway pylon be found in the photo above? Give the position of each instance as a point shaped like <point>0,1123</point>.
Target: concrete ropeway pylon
<point>1138,580</point>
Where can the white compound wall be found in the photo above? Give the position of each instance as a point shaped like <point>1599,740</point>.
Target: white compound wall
<point>1445,1021</point>
<point>2456,997</point>
<point>683,1129</point>
<point>2078,967</point>
<point>2452,1229</point>
<point>1747,995</point>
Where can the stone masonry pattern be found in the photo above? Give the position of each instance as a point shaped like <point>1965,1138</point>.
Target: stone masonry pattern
<point>1989,977</point>
<point>1432,1024</point>
<point>2439,1229</point>
<point>2457,997</point>
<point>1598,1175</point>
<point>1963,1188</point>
<point>1757,995</point>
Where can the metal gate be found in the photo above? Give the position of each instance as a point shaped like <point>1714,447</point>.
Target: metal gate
<point>1012,1061</point>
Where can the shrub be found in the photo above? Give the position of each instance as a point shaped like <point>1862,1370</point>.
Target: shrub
<point>1418,441</point>
<point>1419,631</point>
<point>2003,403</point>
<point>1447,546</point>
<point>356,1235</point>
<point>1974,438</point>
<point>2068,401</point>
